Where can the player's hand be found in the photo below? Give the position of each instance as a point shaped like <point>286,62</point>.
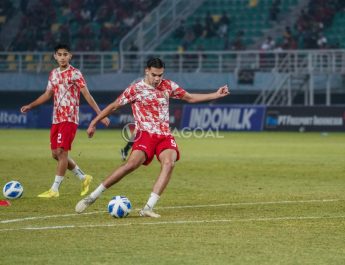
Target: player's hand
<point>106,121</point>
<point>223,91</point>
<point>91,130</point>
<point>25,109</point>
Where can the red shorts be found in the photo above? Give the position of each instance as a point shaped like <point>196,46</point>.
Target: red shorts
<point>62,135</point>
<point>154,144</point>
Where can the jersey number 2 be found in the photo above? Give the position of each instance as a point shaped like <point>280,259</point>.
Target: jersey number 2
<point>59,138</point>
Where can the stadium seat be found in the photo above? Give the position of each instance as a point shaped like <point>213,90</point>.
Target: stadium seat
<point>11,62</point>
<point>30,66</point>
<point>336,33</point>
<point>55,28</point>
<point>3,19</point>
<point>115,61</point>
<point>47,63</point>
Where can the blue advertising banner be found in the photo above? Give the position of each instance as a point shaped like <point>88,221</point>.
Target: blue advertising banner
<point>41,117</point>
<point>317,118</point>
<point>224,117</point>
<point>86,114</point>
<point>44,117</point>
<point>13,118</point>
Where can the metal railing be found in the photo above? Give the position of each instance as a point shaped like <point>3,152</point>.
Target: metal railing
<point>316,61</point>
<point>158,24</point>
<point>279,92</point>
<point>41,62</point>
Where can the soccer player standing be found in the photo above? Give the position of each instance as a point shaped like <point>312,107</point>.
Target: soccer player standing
<point>150,105</point>
<point>65,84</point>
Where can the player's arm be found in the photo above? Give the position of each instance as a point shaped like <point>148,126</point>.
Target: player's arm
<point>91,101</point>
<point>40,100</point>
<point>103,114</point>
<point>194,98</point>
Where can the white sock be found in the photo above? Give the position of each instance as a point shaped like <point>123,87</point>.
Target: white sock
<point>78,173</point>
<point>98,191</point>
<point>57,182</point>
<point>152,201</point>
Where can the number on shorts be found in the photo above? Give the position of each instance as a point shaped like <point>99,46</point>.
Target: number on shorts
<point>173,143</point>
<point>59,138</point>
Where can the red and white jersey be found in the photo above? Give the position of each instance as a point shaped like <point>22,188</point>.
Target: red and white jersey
<point>66,86</point>
<point>150,105</point>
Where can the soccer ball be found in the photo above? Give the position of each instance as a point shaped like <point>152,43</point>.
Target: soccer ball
<point>119,206</point>
<point>13,190</point>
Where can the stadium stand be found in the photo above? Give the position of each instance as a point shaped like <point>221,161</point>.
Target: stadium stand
<point>226,25</point>
<point>335,33</point>
<point>218,25</point>
<point>320,25</point>
<point>88,25</point>
<point>213,39</point>
<point>6,10</point>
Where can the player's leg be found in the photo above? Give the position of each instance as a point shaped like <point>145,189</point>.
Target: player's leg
<point>125,150</point>
<point>167,153</point>
<point>167,159</point>
<point>76,170</point>
<point>84,178</point>
<point>61,139</point>
<point>54,136</point>
<point>62,161</point>
<point>136,159</point>
<point>143,153</point>
<point>130,130</point>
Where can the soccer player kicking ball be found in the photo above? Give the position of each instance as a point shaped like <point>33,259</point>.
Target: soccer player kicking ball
<point>65,84</point>
<point>150,105</point>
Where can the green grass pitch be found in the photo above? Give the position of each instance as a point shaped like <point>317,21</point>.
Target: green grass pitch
<point>246,198</point>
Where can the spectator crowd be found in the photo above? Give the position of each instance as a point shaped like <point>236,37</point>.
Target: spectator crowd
<point>87,25</point>
<point>99,25</point>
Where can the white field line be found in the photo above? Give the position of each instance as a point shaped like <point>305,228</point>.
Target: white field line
<point>171,207</point>
<point>46,217</point>
<point>271,219</point>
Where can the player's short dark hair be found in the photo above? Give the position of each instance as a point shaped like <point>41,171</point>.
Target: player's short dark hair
<point>155,62</point>
<point>62,46</point>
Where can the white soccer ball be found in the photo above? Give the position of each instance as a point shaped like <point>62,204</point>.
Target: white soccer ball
<point>119,206</point>
<point>13,190</point>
